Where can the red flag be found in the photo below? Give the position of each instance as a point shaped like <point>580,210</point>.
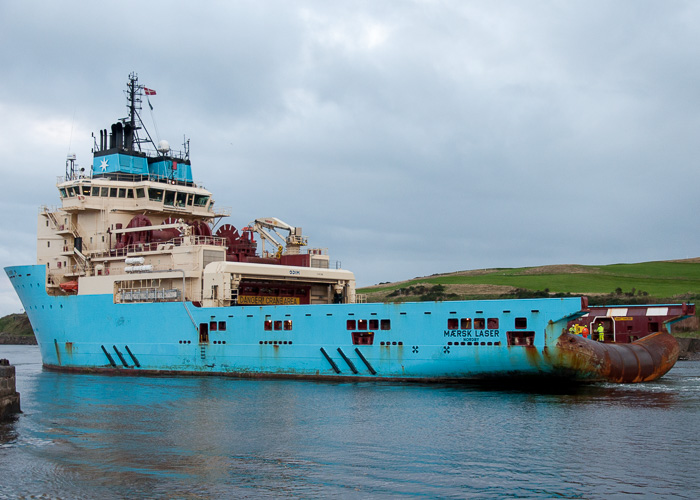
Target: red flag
<point>149,91</point>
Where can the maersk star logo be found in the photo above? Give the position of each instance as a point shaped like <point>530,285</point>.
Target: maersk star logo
<point>104,165</point>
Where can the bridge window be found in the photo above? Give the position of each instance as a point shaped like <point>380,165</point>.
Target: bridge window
<point>351,324</point>
<point>200,200</point>
<point>222,326</point>
<point>278,325</point>
<point>212,326</point>
<point>169,198</point>
<point>287,324</point>
<point>112,192</point>
<point>385,324</point>
<point>465,323</point>
<point>104,192</point>
<point>86,190</point>
<point>140,193</point>
<point>268,325</point>
<point>492,323</point>
<point>520,323</point>
<point>374,324</point>
<point>479,323</point>
<point>95,191</point>
<point>362,324</point>
<point>452,323</point>
<point>155,194</point>
<point>181,199</point>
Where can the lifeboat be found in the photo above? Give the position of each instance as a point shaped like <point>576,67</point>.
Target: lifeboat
<point>69,286</point>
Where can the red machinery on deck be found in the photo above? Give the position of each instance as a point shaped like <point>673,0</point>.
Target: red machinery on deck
<point>625,324</point>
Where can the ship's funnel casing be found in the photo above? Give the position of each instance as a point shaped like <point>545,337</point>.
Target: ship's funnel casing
<point>128,137</point>
<point>111,161</point>
<point>170,168</point>
<point>134,162</point>
<point>117,136</point>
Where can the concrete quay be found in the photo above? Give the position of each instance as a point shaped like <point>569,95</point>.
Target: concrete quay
<point>9,397</point>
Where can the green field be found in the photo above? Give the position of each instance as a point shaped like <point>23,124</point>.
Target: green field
<point>649,279</point>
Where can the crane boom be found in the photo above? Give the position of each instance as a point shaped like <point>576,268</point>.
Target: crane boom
<point>292,242</point>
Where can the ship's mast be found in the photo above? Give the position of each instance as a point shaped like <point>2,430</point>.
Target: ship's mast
<point>133,87</point>
<point>133,123</point>
<point>71,167</point>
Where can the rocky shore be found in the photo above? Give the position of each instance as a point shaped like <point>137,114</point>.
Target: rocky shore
<point>15,339</point>
<point>690,349</point>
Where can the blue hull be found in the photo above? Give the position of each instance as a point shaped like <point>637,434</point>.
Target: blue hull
<point>409,341</point>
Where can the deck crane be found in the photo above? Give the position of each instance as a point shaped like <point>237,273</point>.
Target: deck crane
<point>292,243</point>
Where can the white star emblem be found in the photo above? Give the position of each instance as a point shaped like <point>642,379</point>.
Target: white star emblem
<point>104,165</point>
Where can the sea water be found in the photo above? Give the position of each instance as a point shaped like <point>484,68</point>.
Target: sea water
<point>94,436</point>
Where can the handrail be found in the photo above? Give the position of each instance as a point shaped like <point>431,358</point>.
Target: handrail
<point>182,295</point>
<point>136,248</point>
<point>122,177</point>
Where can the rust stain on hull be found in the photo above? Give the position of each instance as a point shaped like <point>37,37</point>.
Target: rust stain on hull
<point>645,360</point>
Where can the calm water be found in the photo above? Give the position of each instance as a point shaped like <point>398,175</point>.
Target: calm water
<point>88,436</point>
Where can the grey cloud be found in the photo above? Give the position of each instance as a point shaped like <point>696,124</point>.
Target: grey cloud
<point>409,138</point>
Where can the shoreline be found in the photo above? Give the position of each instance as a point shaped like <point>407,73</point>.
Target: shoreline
<point>690,349</point>
<point>10,339</point>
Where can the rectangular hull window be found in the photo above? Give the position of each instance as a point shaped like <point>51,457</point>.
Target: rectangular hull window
<point>521,338</point>
<point>363,338</point>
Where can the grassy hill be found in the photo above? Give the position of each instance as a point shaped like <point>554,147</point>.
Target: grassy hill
<point>15,329</point>
<point>653,282</point>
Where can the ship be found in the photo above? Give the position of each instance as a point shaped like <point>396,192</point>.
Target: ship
<point>138,273</point>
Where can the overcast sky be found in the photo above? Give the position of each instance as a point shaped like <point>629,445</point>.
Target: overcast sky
<point>408,138</point>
